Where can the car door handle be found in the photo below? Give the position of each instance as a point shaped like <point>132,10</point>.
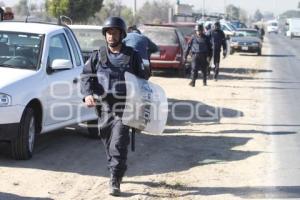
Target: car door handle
<point>75,80</point>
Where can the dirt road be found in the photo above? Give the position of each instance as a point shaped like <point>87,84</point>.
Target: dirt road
<point>219,152</point>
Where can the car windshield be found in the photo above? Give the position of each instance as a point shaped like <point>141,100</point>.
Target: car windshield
<point>273,24</point>
<point>232,27</point>
<point>238,25</point>
<point>161,36</point>
<point>20,50</point>
<point>247,33</point>
<point>89,39</point>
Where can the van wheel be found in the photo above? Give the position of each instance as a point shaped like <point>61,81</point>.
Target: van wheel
<point>181,71</point>
<point>231,52</point>
<point>23,145</point>
<point>92,127</point>
<point>259,52</point>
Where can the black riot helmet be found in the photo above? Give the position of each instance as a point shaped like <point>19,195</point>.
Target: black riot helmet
<point>199,27</point>
<point>217,25</point>
<point>115,22</point>
<point>208,27</point>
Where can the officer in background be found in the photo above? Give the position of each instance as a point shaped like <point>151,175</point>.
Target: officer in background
<point>141,44</point>
<point>200,48</point>
<point>262,33</point>
<point>1,14</point>
<point>208,30</point>
<point>218,40</point>
<point>103,77</point>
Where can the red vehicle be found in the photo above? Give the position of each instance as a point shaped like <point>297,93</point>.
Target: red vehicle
<point>187,28</point>
<point>171,45</point>
<point>6,13</point>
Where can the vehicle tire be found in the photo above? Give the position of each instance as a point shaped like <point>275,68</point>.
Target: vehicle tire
<point>181,71</point>
<point>188,69</point>
<point>231,51</point>
<point>259,52</point>
<point>92,129</point>
<point>23,146</point>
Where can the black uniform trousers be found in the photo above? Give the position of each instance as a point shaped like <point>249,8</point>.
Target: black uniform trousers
<point>199,61</point>
<point>115,137</point>
<point>216,60</point>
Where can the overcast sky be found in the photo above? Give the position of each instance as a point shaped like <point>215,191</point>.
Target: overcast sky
<point>275,6</point>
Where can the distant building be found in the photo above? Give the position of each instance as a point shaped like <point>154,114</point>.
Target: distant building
<point>183,9</point>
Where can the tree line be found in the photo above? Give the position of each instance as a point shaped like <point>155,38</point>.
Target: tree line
<point>95,11</point>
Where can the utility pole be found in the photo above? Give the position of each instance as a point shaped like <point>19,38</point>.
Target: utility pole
<point>203,8</point>
<point>134,11</point>
<point>28,7</point>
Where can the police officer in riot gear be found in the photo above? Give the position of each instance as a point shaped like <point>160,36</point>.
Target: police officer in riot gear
<point>218,40</point>
<point>141,44</point>
<point>103,76</point>
<point>200,48</point>
<point>208,29</point>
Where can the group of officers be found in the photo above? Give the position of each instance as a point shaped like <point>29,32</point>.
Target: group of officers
<point>205,48</point>
<point>103,80</point>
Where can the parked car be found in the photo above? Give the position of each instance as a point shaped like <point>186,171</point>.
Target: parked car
<point>246,40</point>
<point>40,67</point>
<point>89,37</point>
<point>171,47</point>
<point>186,28</point>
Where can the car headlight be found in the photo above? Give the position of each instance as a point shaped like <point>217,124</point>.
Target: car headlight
<point>234,43</point>
<point>5,100</point>
<point>255,44</point>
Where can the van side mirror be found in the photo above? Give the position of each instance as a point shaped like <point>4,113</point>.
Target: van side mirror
<point>58,64</point>
<point>61,64</point>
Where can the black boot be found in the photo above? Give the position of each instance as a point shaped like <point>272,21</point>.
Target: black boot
<point>216,72</point>
<point>192,83</point>
<point>114,185</point>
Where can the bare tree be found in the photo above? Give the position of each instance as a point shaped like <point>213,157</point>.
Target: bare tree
<point>154,12</point>
<point>112,8</point>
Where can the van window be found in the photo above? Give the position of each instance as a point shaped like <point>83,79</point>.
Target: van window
<point>273,24</point>
<point>59,48</point>
<point>74,47</point>
<point>161,36</point>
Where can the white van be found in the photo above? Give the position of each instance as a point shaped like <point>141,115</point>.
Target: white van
<point>272,26</point>
<point>293,27</point>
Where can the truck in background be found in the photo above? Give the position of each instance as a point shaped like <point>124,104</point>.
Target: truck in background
<point>293,27</point>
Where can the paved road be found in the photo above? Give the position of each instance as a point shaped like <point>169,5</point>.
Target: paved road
<point>283,115</point>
